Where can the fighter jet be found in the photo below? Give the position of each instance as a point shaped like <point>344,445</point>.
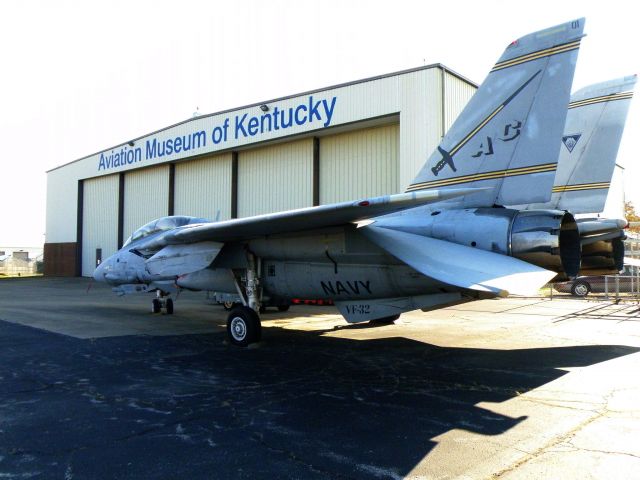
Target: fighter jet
<point>595,123</point>
<point>379,257</point>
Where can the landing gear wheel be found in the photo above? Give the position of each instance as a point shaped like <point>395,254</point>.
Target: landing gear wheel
<point>243,327</point>
<point>156,306</point>
<point>169,306</point>
<point>580,288</point>
<point>283,308</point>
<point>384,320</point>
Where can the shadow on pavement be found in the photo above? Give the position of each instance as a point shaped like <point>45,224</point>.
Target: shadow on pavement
<point>301,405</point>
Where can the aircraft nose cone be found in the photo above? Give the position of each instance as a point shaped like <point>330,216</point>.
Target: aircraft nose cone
<point>98,274</point>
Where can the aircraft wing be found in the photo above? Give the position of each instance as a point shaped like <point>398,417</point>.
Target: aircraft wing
<point>459,265</point>
<point>298,220</point>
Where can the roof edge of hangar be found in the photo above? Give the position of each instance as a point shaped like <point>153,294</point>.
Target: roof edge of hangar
<point>256,104</point>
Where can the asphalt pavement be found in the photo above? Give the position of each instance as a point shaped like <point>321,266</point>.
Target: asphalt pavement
<point>95,386</point>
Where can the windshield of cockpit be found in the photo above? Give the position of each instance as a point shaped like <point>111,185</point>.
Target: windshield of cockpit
<point>161,225</point>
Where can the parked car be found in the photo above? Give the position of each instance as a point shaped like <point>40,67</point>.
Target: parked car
<point>582,286</point>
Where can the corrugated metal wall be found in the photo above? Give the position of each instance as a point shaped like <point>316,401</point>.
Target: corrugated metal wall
<point>421,121</point>
<point>359,164</point>
<point>457,94</point>
<point>275,178</point>
<point>146,197</point>
<point>100,220</point>
<point>203,188</point>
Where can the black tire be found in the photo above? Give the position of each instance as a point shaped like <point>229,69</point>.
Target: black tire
<point>243,327</point>
<point>169,306</point>
<point>283,308</point>
<point>156,306</point>
<point>580,288</point>
<point>385,320</point>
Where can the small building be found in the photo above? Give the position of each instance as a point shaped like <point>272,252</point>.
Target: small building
<point>17,264</point>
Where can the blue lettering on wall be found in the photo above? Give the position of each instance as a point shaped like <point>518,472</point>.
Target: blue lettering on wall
<point>304,113</point>
<point>119,158</point>
<point>245,125</point>
<point>219,133</point>
<point>159,148</point>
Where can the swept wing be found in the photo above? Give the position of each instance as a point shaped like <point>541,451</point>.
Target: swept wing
<point>300,219</point>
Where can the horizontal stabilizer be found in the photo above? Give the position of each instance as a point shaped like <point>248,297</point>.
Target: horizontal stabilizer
<point>600,225</point>
<point>183,259</point>
<point>601,237</point>
<point>458,265</point>
<point>364,310</point>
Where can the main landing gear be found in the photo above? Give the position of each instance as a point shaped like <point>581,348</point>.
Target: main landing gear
<point>243,322</point>
<point>243,326</point>
<point>162,301</point>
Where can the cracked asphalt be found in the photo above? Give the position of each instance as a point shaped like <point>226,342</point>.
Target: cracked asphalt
<point>93,386</point>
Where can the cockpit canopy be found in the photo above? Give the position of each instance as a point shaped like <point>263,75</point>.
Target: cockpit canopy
<point>162,224</point>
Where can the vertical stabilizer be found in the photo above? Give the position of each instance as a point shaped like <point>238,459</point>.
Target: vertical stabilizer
<point>508,136</point>
<point>595,122</point>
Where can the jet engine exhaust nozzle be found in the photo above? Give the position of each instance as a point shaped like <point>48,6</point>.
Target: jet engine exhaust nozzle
<point>547,238</point>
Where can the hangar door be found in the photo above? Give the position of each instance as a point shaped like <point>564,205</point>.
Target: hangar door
<point>146,197</point>
<point>99,220</point>
<point>275,178</point>
<point>359,164</point>
<point>203,188</point>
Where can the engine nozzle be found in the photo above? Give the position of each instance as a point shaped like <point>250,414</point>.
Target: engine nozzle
<point>547,238</point>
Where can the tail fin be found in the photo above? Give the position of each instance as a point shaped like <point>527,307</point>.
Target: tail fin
<point>592,134</point>
<point>508,136</point>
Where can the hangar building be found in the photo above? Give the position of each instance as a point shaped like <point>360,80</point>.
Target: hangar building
<point>363,138</point>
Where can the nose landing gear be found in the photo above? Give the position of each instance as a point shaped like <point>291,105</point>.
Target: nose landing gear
<point>162,301</point>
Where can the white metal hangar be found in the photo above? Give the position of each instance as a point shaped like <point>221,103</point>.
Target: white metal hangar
<point>363,138</point>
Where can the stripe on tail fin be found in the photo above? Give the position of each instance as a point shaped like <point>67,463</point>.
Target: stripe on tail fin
<point>508,136</point>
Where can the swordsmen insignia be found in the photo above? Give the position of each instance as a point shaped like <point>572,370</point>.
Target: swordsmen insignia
<point>570,141</point>
<point>446,160</point>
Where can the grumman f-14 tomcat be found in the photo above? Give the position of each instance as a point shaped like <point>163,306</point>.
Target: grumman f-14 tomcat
<point>593,129</point>
<point>379,257</point>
